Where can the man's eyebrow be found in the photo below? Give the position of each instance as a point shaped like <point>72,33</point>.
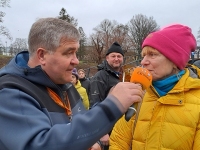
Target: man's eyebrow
<point>71,48</point>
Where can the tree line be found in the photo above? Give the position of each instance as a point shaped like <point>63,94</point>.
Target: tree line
<point>93,48</point>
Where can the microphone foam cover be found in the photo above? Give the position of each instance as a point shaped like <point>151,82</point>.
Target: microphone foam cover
<point>142,76</point>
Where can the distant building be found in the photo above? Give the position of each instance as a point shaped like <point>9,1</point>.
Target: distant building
<point>195,55</point>
<point>9,51</point>
<point>6,51</point>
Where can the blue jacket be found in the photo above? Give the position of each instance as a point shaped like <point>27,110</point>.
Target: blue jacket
<point>28,124</point>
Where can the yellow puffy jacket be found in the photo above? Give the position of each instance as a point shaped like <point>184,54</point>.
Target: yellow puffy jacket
<point>171,122</point>
<point>83,93</point>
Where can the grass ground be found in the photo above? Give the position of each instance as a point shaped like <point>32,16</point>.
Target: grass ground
<point>4,60</point>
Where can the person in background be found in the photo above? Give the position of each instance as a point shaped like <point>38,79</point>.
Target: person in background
<point>197,63</point>
<point>81,90</point>
<point>169,114</point>
<point>106,77</point>
<point>84,81</point>
<point>37,108</point>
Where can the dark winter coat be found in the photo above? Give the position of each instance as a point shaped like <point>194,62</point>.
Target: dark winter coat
<point>102,82</point>
<point>86,84</point>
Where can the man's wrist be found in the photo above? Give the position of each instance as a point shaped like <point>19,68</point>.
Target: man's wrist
<point>100,144</point>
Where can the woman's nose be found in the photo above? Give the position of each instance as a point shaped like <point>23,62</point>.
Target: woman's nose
<point>144,61</point>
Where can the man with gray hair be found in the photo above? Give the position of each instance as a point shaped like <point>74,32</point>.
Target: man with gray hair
<point>39,110</point>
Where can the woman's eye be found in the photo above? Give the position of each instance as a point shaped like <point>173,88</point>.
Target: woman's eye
<point>151,54</point>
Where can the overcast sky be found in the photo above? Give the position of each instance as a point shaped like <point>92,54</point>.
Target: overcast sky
<point>90,13</point>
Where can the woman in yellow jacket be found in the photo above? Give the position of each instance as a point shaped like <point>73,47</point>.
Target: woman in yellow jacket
<point>169,116</point>
<point>81,90</point>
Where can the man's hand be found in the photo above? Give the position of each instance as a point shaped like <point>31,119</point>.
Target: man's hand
<point>96,146</point>
<point>105,140</point>
<point>127,93</point>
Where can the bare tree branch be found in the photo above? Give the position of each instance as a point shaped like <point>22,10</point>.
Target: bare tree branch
<point>139,27</point>
<point>3,30</point>
<point>18,46</point>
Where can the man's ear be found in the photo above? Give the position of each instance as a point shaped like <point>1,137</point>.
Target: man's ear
<point>41,54</point>
<point>106,57</point>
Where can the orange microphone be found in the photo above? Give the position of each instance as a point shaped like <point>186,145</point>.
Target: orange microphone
<point>142,76</point>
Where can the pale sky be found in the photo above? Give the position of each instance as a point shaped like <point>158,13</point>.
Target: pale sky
<point>90,13</point>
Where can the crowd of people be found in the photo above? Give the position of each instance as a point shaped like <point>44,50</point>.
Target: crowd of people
<point>47,103</point>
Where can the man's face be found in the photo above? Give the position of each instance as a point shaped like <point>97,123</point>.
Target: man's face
<point>59,64</point>
<point>115,60</point>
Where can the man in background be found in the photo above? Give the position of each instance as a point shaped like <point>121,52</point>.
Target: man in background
<point>106,77</point>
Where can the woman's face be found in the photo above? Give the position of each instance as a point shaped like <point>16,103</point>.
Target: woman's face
<point>159,66</point>
<point>74,80</point>
<point>81,74</point>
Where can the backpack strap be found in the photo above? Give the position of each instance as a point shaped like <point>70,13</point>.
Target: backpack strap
<point>38,92</point>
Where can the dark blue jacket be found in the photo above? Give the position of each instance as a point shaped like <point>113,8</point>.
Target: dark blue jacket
<point>31,123</point>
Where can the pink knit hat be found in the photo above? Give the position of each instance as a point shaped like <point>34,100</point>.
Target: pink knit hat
<point>175,42</point>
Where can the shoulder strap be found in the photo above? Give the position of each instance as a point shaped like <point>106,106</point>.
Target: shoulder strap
<point>38,92</point>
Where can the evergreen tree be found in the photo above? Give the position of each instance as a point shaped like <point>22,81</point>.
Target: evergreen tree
<point>64,16</point>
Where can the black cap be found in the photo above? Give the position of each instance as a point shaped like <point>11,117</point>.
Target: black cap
<point>115,47</point>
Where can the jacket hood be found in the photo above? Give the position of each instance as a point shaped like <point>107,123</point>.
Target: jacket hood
<point>105,66</point>
<point>18,66</point>
<point>102,66</point>
<point>193,81</point>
